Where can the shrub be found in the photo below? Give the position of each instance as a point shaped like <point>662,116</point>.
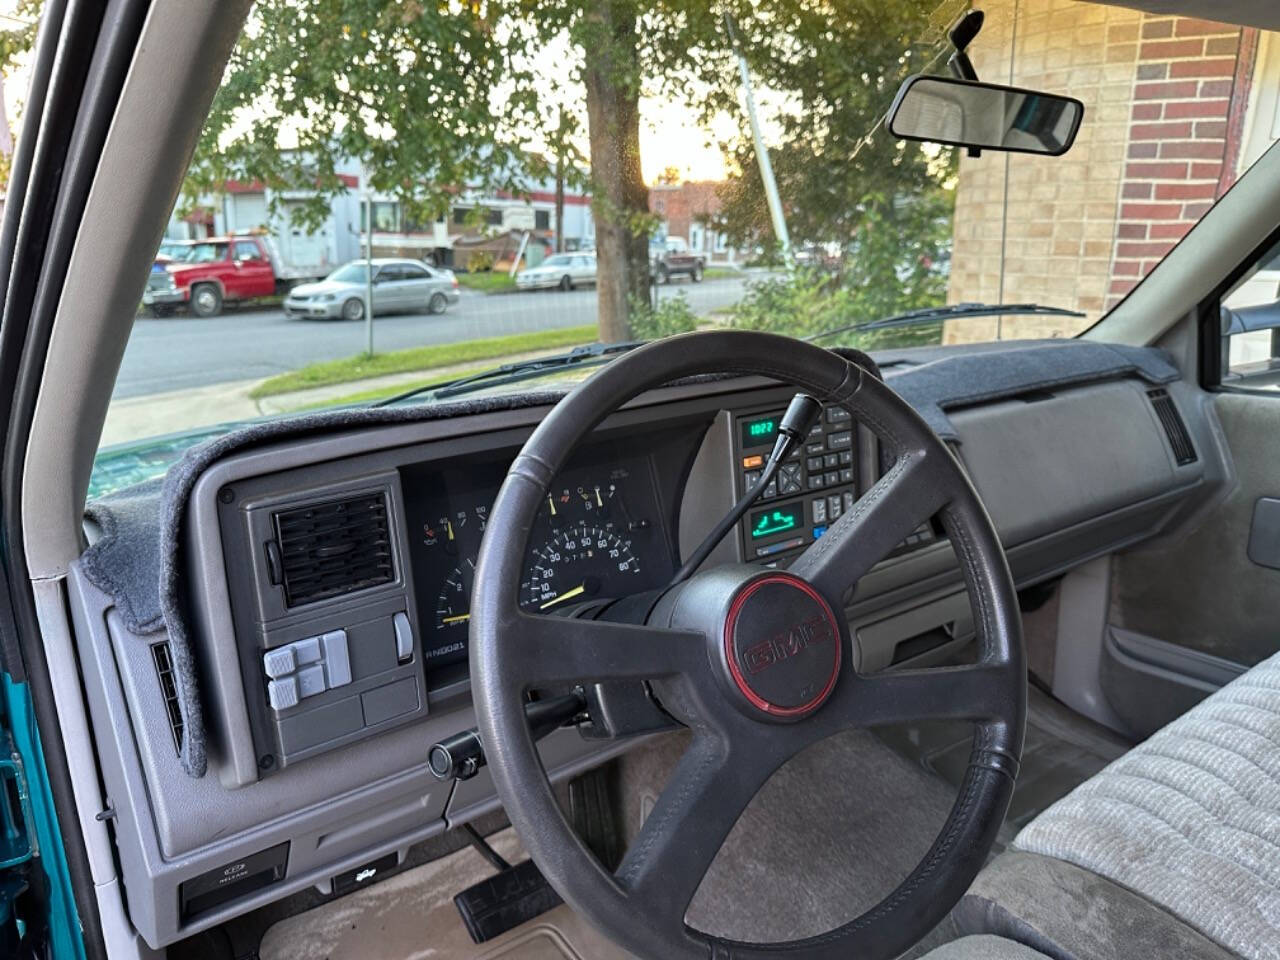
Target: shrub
<point>672,315</point>
<point>480,261</point>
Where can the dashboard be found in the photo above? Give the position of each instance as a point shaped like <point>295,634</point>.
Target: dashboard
<point>328,578</point>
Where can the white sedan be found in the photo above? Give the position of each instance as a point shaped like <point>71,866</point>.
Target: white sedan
<point>563,270</point>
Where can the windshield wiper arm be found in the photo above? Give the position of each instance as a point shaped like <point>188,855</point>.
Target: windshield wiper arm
<point>931,314</point>
<point>513,372</point>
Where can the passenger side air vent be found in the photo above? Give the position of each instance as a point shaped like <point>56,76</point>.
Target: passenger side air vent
<point>164,670</point>
<point>1174,428</point>
<point>329,549</point>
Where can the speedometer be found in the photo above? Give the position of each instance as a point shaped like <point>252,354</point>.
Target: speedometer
<point>576,564</point>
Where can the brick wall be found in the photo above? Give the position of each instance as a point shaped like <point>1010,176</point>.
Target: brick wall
<point>1056,235</point>
<point>1183,139</point>
<point>1164,101</point>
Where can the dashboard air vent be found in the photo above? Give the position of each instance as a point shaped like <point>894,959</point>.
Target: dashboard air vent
<point>1174,428</point>
<point>164,670</point>
<point>329,549</point>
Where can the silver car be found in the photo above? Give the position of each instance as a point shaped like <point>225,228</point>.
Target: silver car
<point>563,270</point>
<point>399,286</point>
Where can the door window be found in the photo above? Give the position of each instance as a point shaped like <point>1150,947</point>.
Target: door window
<point>247,251</point>
<point>1250,319</point>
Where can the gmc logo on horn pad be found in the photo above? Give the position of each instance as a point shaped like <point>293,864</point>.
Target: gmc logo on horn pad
<point>761,656</point>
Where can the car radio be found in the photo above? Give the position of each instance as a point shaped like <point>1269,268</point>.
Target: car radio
<point>813,489</point>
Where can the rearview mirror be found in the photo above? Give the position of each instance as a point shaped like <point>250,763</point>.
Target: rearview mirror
<point>966,113</point>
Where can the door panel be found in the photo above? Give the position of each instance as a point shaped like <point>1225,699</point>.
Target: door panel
<point>1204,593</point>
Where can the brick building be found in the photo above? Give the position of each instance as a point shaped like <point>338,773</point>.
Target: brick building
<point>687,211</point>
<point>1175,109</point>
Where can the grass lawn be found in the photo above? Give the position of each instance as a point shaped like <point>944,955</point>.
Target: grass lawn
<point>490,281</point>
<point>363,366</point>
<point>382,393</point>
<point>720,273</point>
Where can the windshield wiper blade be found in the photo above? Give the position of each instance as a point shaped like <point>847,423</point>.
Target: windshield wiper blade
<point>932,314</point>
<point>514,372</point>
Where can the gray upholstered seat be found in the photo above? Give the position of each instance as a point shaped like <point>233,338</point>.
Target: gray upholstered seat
<point>983,947</point>
<point>1188,820</point>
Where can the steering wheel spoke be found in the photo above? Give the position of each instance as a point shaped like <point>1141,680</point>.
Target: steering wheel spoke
<point>976,692</point>
<point>709,789</point>
<point>556,651</point>
<point>906,496</point>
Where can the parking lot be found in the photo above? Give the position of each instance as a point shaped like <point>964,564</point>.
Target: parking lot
<point>185,352</point>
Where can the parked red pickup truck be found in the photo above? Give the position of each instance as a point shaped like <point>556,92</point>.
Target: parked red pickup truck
<point>212,272</point>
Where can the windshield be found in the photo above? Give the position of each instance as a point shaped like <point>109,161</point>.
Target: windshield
<point>351,273</point>
<point>202,253</point>
<point>685,213</point>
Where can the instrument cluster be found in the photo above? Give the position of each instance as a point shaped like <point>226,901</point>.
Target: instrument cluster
<point>600,535</point>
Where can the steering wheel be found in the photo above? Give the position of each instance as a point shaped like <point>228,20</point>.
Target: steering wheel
<point>756,663</point>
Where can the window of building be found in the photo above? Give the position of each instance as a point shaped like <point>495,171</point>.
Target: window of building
<point>386,216</point>
<point>542,219</point>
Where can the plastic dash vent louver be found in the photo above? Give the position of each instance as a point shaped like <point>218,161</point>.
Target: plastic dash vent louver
<point>333,548</point>
<point>164,670</point>
<point>1174,428</point>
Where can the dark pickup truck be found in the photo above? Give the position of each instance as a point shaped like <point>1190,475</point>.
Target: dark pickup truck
<point>672,258</point>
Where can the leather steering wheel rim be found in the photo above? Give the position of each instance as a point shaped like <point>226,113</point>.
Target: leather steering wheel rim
<point>641,905</point>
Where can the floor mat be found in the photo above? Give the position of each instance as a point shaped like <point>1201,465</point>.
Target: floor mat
<point>411,915</point>
<point>1062,750</point>
<point>833,832</point>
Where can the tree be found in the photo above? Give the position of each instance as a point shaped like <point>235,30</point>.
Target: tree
<point>429,100</point>
<point>844,182</point>
<point>434,98</point>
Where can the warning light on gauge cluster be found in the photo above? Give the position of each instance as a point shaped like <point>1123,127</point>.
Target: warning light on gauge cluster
<point>766,523</point>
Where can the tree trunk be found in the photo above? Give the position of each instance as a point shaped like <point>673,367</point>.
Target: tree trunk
<point>620,200</point>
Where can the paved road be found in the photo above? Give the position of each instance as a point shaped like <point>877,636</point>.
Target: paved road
<point>185,352</point>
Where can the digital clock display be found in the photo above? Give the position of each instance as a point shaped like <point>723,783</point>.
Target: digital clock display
<point>760,431</point>
<point>775,520</point>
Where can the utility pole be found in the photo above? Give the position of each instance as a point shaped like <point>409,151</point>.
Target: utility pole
<point>368,273</point>
<point>762,152</point>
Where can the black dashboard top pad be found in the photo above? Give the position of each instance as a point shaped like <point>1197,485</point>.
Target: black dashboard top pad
<point>138,557</point>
